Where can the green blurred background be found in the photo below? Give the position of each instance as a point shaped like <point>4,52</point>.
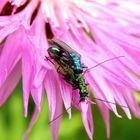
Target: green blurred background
<point>13,124</point>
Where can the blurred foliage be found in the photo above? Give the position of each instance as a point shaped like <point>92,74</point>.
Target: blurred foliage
<point>13,124</point>
<point>137,96</point>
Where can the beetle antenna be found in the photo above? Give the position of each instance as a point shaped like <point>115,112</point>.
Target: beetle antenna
<point>60,115</point>
<point>65,111</point>
<point>92,102</point>
<point>117,57</point>
<point>89,101</point>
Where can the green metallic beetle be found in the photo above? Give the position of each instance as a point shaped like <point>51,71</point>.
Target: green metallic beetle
<point>69,65</point>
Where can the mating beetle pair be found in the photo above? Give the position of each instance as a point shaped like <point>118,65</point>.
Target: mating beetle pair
<point>68,63</point>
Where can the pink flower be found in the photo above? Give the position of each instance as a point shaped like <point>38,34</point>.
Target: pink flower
<point>98,30</point>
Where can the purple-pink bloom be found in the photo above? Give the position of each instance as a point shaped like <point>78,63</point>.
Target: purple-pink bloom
<point>98,30</point>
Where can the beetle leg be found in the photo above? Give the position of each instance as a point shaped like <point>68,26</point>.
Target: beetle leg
<point>83,66</point>
<point>48,59</point>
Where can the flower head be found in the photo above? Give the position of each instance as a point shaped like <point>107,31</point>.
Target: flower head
<point>97,30</point>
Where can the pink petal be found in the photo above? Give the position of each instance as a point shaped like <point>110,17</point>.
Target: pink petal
<point>37,94</point>
<point>55,101</point>
<point>131,101</point>
<point>4,32</point>
<point>10,83</point>
<point>37,37</point>
<point>34,51</point>
<point>105,113</point>
<point>75,99</point>
<point>56,124</point>
<point>66,93</point>
<point>10,55</point>
<point>51,91</point>
<point>28,70</point>
<point>120,100</point>
<point>39,75</point>
<point>87,119</point>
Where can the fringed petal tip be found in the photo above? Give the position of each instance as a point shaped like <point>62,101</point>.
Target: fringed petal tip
<point>87,119</point>
<point>25,110</point>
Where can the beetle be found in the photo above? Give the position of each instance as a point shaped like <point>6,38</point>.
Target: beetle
<point>69,61</point>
